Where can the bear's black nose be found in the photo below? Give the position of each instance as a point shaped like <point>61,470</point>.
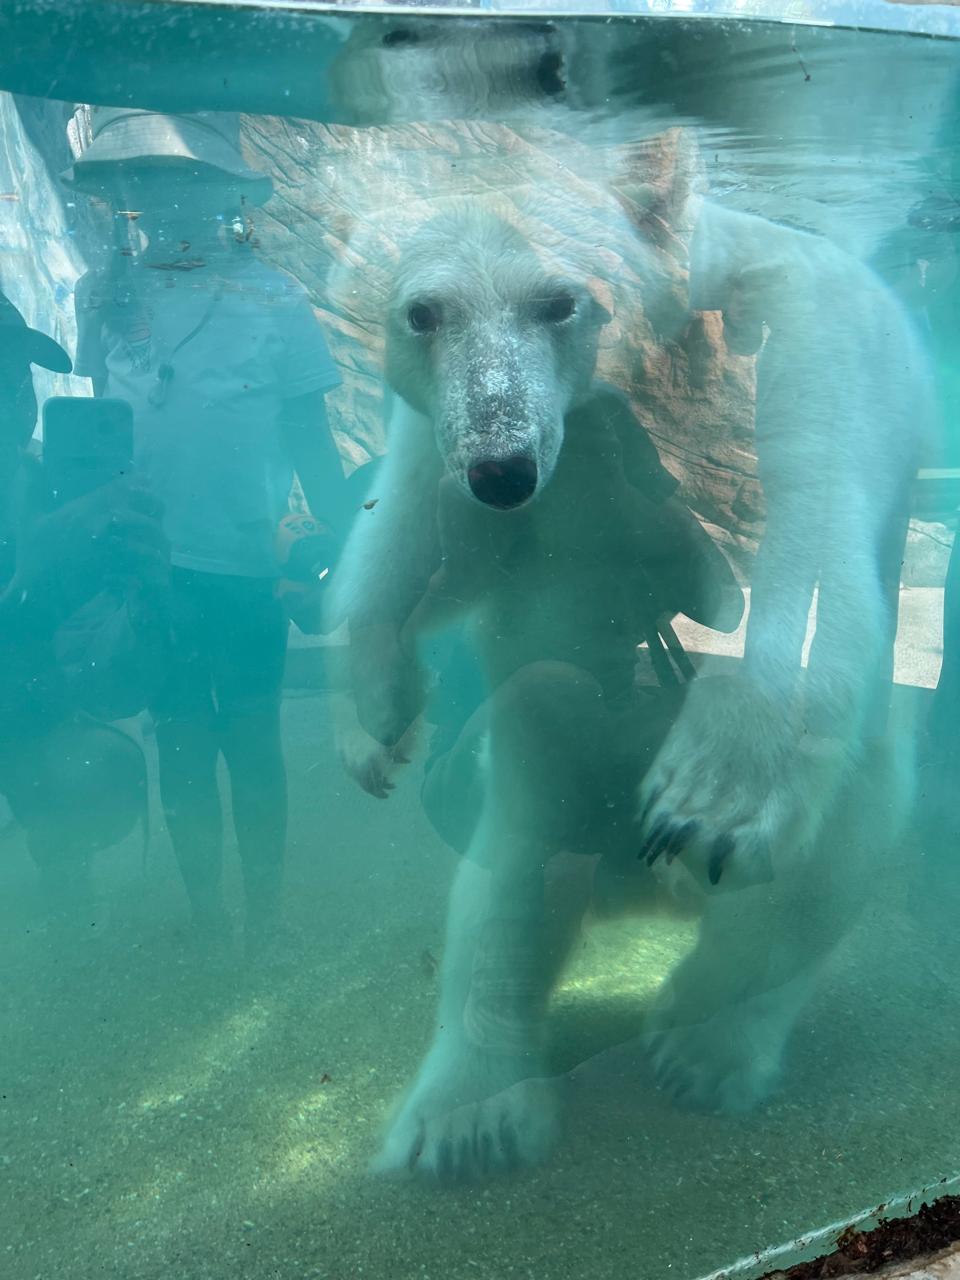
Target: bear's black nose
<point>504,482</point>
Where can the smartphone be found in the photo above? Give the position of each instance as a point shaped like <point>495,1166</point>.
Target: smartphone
<point>87,442</point>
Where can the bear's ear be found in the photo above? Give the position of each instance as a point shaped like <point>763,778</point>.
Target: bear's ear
<point>599,313</point>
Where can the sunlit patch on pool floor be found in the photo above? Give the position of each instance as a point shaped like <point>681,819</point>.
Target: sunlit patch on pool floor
<point>615,971</point>
<point>202,1065</point>
<point>161,1120</point>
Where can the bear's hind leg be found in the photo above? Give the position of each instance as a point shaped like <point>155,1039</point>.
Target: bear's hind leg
<point>480,1103</point>
<point>718,1032</point>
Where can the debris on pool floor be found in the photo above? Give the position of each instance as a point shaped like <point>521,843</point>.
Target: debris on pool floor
<point>923,1246</point>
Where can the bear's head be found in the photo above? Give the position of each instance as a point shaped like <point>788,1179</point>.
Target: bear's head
<point>494,347</point>
<point>408,66</point>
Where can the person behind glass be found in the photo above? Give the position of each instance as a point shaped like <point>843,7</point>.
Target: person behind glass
<point>226,368</point>
<point>81,588</point>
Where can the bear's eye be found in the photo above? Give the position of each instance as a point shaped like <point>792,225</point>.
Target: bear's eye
<point>400,35</point>
<point>556,309</point>
<point>423,318</point>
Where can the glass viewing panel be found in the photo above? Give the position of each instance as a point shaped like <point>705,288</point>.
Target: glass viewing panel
<point>480,680</point>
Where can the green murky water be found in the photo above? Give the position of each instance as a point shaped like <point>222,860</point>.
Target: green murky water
<point>502,456</point>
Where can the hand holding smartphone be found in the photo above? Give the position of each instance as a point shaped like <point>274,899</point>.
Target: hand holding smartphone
<point>87,443</point>
<point>94,526</point>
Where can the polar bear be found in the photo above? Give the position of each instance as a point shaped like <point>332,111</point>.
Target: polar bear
<point>778,87</point>
<point>510,499</point>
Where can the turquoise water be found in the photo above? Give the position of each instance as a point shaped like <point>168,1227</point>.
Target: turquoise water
<point>478,746</point>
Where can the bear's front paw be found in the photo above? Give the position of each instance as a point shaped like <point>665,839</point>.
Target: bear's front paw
<point>368,762</point>
<point>735,788</point>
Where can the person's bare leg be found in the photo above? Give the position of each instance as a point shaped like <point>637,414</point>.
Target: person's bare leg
<point>188,750</point>
<point>258,786</point>
<point>249,655</point>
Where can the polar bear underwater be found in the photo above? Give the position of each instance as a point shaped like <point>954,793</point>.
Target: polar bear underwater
<point>511,499</point>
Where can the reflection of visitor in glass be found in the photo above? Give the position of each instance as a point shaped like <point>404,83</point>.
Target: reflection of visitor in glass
<point>80,584</point>
<point>225,366</point>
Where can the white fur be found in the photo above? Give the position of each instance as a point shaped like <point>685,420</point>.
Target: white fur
<point>554,594</point>
<point>844,396</point>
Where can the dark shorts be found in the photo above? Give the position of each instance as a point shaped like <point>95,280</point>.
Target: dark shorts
<point>227,649</point>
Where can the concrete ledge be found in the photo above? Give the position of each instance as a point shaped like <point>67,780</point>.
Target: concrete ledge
<point>308,657</point>
<point>940,1266</point>
<point>918,652</point>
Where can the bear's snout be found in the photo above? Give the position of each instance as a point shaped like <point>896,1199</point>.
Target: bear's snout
<point>503,482</point>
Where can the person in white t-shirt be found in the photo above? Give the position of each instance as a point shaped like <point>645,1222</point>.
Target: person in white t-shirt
<point>226,368</point>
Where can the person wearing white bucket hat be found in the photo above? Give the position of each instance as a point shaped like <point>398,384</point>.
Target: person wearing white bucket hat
<point>226,368</point>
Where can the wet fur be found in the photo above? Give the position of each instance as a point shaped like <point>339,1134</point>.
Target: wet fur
<point>782,770</point>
